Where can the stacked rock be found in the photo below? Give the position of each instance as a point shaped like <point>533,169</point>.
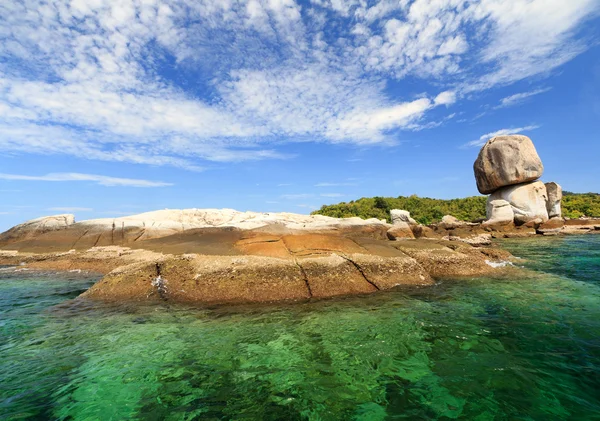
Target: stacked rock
<point>508,168</point>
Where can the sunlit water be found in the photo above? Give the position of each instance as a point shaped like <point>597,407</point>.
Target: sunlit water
<point>480,349</point>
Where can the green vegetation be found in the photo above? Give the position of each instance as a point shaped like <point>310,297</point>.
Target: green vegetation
<point>422,209</point>
<point>576,205</point>
<point>427,211</point>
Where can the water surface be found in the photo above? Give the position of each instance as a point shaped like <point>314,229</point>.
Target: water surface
<point>476,349</point>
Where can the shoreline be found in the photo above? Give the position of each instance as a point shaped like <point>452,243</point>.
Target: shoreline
<point>225,257</point>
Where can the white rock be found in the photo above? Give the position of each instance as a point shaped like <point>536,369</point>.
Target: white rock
<point>554,200</point>
<point>184,219</point>
<point>450,222</point>
<point>499,212</point>
<point>528,200</point>
<point>399,215</point>
<point>38,226</point>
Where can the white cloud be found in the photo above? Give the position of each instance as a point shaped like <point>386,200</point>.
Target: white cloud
<point>181,81</point>
<point>445,98</point>
<point>520,97</point>
<point>485,137</point>
<point>70,209</point>
<point>102,180</point>
<point>331,195</point>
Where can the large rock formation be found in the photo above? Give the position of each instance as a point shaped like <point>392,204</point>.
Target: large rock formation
<point>506,160</point>
<point>554,200</point>
<point>528,201</point>
<point>36,227</point>
<point>508,167</point>
<point>499,212</point>
<point>212,256</point>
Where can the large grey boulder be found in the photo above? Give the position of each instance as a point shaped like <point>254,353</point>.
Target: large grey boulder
<point>399,215</point>
<point>528,201</point>
<point>555,195</point>
<point>506,161</point>
<point>499,212</point>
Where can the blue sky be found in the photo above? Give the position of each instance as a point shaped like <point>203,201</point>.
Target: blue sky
<point>114,108</point>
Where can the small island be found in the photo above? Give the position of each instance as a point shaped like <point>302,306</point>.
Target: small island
<point>218,256</point>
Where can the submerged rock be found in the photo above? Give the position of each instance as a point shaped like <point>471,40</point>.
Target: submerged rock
<point>505,161</point>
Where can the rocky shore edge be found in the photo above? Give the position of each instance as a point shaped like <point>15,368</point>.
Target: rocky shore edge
<point>224,256</point>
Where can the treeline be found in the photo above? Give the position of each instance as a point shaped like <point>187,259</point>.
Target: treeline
<point>423,209</point>
<point>577,205</point>
<point>426,210</point>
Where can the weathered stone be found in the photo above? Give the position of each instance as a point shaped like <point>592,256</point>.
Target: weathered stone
<point>555,195</point>
<point>36,227</point>
<point>499,212</point>
<point>476,240</point>
<point>505,161</point>
<point>421,231</point>
<point>400,230</point>
<point>528,201</point>
<point>399,215</point>
<point>552,226</point>
<point>449,222</point>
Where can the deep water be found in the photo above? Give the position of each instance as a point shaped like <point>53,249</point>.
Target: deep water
<point>478,349</point>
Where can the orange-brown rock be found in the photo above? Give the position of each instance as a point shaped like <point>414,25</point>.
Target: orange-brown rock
<point>551,227</point>
<point>400,230</point>
<point>229,264</point>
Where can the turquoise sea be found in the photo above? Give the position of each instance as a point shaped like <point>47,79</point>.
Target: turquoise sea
<point>476,349</point>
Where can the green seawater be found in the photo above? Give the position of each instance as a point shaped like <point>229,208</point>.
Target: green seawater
<point>476,349</point>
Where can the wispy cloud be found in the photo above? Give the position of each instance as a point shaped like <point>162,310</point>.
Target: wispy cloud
<point>485,137</point>
<point>332,195</point>
<point>110,80</point>
<point>102,180</point>
<point>69,209</point>
<point>519,98</point>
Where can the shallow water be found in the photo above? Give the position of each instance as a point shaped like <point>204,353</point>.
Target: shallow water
<point>479,349</point>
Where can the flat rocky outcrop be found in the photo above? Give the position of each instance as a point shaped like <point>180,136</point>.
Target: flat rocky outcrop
<point>288,258</point>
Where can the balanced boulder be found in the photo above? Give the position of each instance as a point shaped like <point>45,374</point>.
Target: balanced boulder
<point>554,191</point>
<point>528,201</point>
<point>506,161</point>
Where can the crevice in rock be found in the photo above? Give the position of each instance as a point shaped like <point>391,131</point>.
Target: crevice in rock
<point>359,269</point>
<point>138,237</point>
<point>302,271</point>
<point>97,240</point>
<point>112,234</point>
<point>305,276</point>
<point>80,237</point>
